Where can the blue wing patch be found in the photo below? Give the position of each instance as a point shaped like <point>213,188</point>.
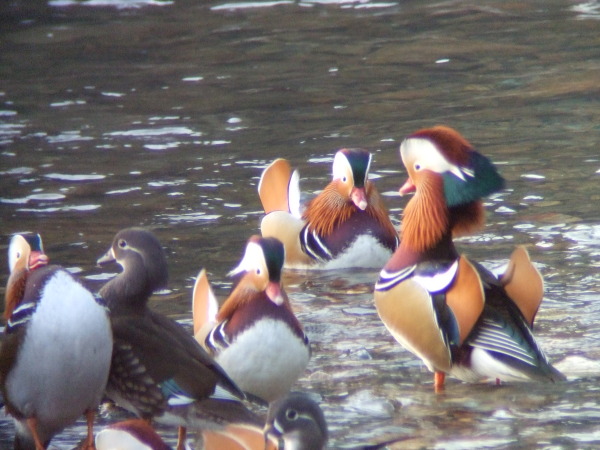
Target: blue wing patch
<point>174,394</point>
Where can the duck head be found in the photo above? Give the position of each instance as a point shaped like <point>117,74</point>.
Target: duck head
<point>144,265</point>
<point>449,179</point>
<point>350,175</point>
<point>26,251</point>
<point>261,267</point>
<point>298,421</point>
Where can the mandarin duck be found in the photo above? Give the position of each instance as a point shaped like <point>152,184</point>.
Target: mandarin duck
<point>56,352</point>
<point>451,312</point>
<point>346,225</point>
<point>294,422</point>
<point>158,370</point>
<point>132,434</point>
<point>255,336</point>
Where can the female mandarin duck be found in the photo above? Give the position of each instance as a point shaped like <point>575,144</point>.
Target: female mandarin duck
<point>346,225</point>
<point>294,422</point>
<point>255,336</point>
<point>57,347</point>
<point>451,312</point>
<point>158,370</point>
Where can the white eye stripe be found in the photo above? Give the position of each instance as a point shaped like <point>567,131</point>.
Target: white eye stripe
<point>254,259</point>
<point>341,167</point>
<point>423,150</point>
<point>17,249</point>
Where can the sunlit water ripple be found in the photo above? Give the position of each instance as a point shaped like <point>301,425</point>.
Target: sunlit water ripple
<point>176,107</point>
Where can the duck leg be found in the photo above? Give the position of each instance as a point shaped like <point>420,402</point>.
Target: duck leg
<point>89,444</point>
<point>32,425</point>
<point>181,435</point>
<point>438,381</point>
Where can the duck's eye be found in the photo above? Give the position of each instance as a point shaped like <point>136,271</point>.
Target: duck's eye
<point>122,243</point>
<point>417,166</point>
<point>18,255</point>
<point>344,179</point>
<point>291,414</point>
<point>258,271</point>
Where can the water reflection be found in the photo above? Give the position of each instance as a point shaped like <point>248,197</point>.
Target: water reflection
<point>163,114</point>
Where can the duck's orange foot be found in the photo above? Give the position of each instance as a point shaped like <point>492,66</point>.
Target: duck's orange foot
<point>89,443</point>
<point>438,381</point>
<point>181,437</point>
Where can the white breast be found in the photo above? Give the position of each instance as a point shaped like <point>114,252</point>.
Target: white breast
<point>266,359</point>
<point>64,359</point>
<point>365,252</point>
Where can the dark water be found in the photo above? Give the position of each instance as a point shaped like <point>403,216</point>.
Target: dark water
<point>121,113</point>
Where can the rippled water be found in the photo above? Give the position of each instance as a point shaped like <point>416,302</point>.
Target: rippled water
<point>116,113</point>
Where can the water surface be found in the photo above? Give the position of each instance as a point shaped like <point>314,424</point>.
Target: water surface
<point>162,114</point>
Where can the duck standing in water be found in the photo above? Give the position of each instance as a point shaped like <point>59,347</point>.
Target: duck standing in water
<point>255,336</point>
<point>56,352</point>
<point>158,370</point>
<point>449,311</point>
<point>346,225</point>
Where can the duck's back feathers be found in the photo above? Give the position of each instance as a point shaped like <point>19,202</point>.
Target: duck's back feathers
<point>274,185</point>
<point>166,362</point>
<point>523,283</point>
<point>505,335</point>
<point>287,229</point>
<point>204,306</point>
<point>466,298</point>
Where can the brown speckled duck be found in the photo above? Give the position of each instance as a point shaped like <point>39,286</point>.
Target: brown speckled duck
<point>158,370</point>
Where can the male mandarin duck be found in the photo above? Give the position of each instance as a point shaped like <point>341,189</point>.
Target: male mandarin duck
<point>452,312</point>
<point>294,422</point>
<point>346,225</point>
<point>158,369</point>
<point>56,352</point>
<point>255,336</point>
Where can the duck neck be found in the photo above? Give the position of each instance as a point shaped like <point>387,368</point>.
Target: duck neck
<point>426,221</point>
<point>327,210</point>
<point>426,227</point>
<point>128,291</point>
